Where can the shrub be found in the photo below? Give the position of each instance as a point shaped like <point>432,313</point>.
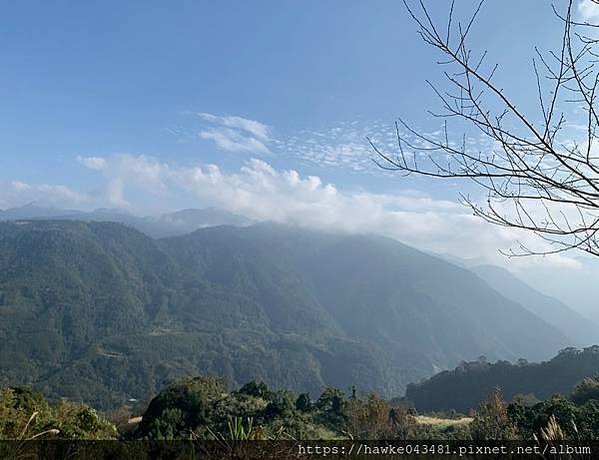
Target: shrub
<point>374,418</point>
<point>25,414</point>
<point>183,408</point>
<point>492,421</point>
<point>586,390</point>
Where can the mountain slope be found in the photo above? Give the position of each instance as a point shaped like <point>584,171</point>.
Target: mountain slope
<point>581,330</point>
<point>375,287</point>
<point>100,312</point>
<point>463,388</point>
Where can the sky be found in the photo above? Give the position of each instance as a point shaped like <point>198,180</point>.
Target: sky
<point>261,108</point>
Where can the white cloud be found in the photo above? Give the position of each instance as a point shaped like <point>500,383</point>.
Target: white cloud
<point>236,134</point>
<point>262,192</point>
<point>253,127</point>
<point>232,141</point>
<point>343,146</point>
<point>17,193</point>
<point>124,171</point>
<point>588,10</point>
<point>95,163</point>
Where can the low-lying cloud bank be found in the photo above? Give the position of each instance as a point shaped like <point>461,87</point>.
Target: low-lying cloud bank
<point>261,192</point>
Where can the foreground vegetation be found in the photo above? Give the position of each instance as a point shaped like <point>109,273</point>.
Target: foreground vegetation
<point>25,415</point>
<point>202,408</point>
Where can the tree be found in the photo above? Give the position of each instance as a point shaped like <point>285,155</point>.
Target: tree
<point>374,418</point>
<point>332,408</point>
<point>332,400</point>
<point>586,390</point>
<point>184,407</point>
<point>491,421</point>
<point>368,418</point>
<point>282,404</point>
<point>304,403</point>
<point>536,176</point>
<point>253,388</point>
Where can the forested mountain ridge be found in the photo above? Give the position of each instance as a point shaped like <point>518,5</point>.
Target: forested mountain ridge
<point>376,286</point>
<point>462,388</point>
<point>100,312</point>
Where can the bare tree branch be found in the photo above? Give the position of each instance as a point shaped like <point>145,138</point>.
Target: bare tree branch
<point>536,176</point>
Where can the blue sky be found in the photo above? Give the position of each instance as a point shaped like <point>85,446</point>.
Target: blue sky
<point>87,78</point>
<point>258,107</point>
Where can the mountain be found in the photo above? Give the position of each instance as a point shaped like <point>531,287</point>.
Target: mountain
<point>163,225</point>
<point>581,330</point>
<point>463,388</point>
<point>186,221</point>
<point>576,287</point>
<point>34,211</point>
<point>100,312</point>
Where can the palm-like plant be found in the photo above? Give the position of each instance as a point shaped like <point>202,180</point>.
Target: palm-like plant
<point>238,431</point>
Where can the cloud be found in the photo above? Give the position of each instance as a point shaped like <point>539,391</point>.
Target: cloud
<point>236,134</point>
<point>342,146</point>
<point>588,10</point>
<point>95,163</point>
<point>345,146</point>
<point>262,192</point>
<point>17,193</point>
<point>253,127</point>
<point>232,141</point>
<point>125,171</point>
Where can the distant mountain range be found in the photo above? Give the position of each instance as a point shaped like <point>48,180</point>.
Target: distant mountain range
<point>100,312</point>
<point>169,224</point>
<point>580,329</point>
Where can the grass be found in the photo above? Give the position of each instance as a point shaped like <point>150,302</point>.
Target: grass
<point>439,422</point>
